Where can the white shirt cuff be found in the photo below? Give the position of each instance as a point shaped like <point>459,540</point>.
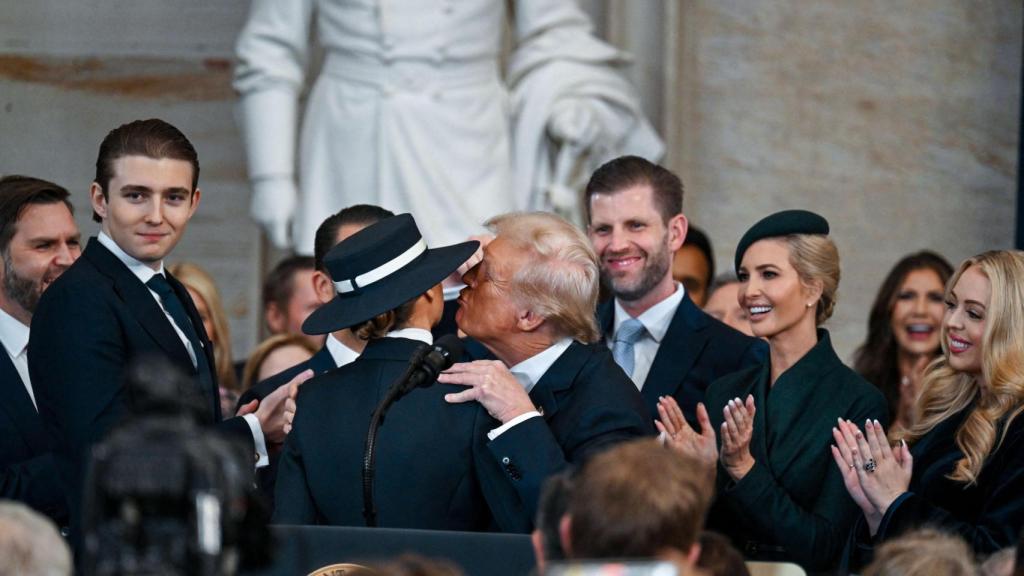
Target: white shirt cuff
<point>507,425</point>
<point>262,459</point>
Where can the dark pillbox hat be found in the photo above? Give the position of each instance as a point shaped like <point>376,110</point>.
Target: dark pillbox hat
<point>781,224</point>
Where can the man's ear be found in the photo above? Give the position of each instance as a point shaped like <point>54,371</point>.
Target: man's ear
<point>196,196</point>
<point>565,534</point>
<point>277,320</point>
<point>694,554</point>
<point>528,320</point>
<point>677,229</point>
<point>537,540</point>
<point>323,287</point>
<point>98,200</point>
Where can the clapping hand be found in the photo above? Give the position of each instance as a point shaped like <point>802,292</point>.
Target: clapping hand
<point>679,436</point>
<point>874,474</point>
<point>737,429</point>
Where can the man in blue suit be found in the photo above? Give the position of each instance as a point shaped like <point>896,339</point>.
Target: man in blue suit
<point>664,342</point>
<point>554,396</point>
<point>38,241</point>
<point>116,303</point>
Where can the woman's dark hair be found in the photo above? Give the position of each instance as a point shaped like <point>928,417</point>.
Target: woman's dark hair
<point>876,359</point>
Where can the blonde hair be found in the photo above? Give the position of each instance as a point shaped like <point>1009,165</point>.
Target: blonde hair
<point>194,277</point>
<point>30,544</point>
<point>816,259</point>
<point>264,349</point>
<point>559,279</point>
<point>923,553</point>
<point>945,391</point>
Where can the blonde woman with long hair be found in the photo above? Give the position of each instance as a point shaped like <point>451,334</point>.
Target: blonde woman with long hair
<point>960,467</point>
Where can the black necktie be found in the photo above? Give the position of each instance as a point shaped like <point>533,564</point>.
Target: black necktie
<point>176,309</point>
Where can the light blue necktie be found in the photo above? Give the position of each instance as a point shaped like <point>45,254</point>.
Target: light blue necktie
<point>627,335</point>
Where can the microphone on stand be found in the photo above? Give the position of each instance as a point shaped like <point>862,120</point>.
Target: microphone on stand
<point>424,366</point>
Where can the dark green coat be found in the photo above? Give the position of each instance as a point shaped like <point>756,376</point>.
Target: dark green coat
<point>792,505</point>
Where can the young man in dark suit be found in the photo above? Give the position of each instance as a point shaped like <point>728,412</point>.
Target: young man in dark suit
<point>116,304</point>
<point>554,396</point>
<point>667,345</point>
<point>38,241</point>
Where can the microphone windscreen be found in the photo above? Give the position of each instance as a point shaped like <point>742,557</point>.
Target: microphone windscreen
<point>453,349</point>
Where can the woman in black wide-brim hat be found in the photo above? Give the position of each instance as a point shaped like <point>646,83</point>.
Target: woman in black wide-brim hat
<point>779,496</point>
<point>389,292</point>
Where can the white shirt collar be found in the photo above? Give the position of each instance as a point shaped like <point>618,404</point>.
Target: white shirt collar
<point>341,354</point>
<point>412,334</point>
<point>530,371</point>
<point>141,270</point>
<point>13,334</point>
<point>655,319</point>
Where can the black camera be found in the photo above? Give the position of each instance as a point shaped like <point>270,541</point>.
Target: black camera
<point>166,495</point>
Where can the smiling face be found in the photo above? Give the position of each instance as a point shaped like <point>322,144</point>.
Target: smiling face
<point>917,312</point>
<point>486,310</point>
<point>966,311</point>
<point>634,245</point>
<point>147,206</point>
<point>772,293</point>
<point>45,242</point>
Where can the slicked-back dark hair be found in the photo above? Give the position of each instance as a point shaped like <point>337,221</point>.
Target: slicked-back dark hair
<point>153,138</point>
<point>697,238</point>
<point>628,171</point>
<point>17,193</point>
<point>364,214</point>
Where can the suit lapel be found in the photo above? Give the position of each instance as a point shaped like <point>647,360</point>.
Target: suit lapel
<point>678,351</point>
<point>559,377</point>
<point>18,405</point>
<point>138,299</point>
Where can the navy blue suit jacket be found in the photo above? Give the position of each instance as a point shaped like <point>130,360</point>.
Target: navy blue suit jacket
<point>425,477</point>
<point>27,470</point>
<point>90,323</point>
<point>320,362</point>
<point>696,351</point>
<point>587,404</point>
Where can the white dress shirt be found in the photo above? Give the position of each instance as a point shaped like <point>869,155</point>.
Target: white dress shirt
<point>656,321</point>
<point>412,334</point>
<point>14,336</point>
<point>341,354</point>
<point>144,273</point>
<point>528,373</point>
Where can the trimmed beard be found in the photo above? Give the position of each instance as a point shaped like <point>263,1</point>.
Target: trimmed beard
<point>19,289</point>
<point>654,270</point>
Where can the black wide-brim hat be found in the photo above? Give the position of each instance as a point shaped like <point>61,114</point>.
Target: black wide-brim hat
<point>380,268</point>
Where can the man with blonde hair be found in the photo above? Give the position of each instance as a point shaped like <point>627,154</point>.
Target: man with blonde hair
<point>30,544</point>
<point>555,397</point>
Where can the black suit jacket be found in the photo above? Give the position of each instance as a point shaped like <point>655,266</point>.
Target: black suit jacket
<point>988,515</point>
<point>587,404</point>
<point>696,351</point>
<point>425,476</point>
<point>90,323</point>
<point>27,470</point>
<point>320,362</point>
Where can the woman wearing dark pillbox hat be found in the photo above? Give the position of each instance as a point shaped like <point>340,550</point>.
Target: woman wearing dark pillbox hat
<point>779,495</point>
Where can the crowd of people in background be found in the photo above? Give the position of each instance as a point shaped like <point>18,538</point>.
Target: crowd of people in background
<point>618,399</point>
